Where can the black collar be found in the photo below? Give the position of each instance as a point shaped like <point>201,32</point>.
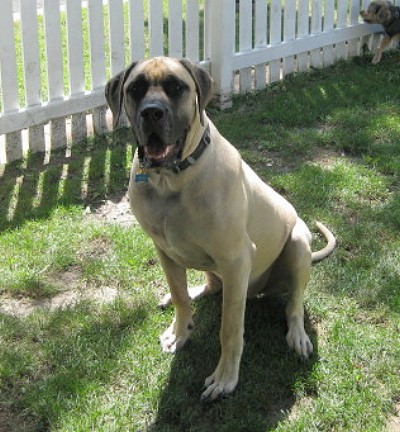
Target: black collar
<point>177,166</point>
<point>191,160</point>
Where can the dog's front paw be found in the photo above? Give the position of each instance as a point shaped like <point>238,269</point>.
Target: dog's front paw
<point>376,59</point>
<point>175,337</point>
<point>298,340</point>
<point>221,383</point>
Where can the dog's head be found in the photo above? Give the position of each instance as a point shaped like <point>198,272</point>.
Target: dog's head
<point>378,12</point>
<point>162,98</point>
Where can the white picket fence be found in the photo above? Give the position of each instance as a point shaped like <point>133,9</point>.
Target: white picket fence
<point>55,61</point>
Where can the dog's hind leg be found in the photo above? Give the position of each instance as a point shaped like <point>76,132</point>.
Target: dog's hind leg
<point>213,284</point>
<point>297,260</point>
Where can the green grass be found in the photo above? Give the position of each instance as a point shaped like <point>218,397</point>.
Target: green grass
<point>330,142</point>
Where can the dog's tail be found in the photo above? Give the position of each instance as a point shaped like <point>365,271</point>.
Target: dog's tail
<point>330,238</point>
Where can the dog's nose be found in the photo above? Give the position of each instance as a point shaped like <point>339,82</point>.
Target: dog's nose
<point>152,112</point>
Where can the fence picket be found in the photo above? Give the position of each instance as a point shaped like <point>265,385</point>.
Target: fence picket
<point>97,59</point>
<point>207,28</point>
<point>316,26</point>
<point>117,46</point>
<point>8,76</point>
<point>289,33</point>
<point>53,49</point>
<point>75,65</point>
<point>13,146</point>
<point>136,29</point>
<point>341,23</point>
<point>353,45</point>
<point>260,36</point>
<point>245,43</point>
<point>8,63</point>
<point>96,40</point>
<point>52,23</point>
<point>192,30</point>
<point>33,89</point>
<point>156,28</point>
<point>275,37</point>
<point>175,48</point>
<point>30,45</point>
<point>75,47</point>
<point>303,30</point>
<point>329,12</point>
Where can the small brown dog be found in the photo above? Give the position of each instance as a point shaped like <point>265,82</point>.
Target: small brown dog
<point>385,13</point>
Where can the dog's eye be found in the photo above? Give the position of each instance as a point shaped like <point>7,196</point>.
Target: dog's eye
<point>174,87</point>
<point>138,88</point>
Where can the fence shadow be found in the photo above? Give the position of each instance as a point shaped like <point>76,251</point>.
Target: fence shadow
<point>268,375</point>
<point>86,175</point>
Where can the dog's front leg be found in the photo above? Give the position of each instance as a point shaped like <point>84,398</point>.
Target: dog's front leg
<point>378,55</point>
<point>235,284</point>
<point>179,331</point>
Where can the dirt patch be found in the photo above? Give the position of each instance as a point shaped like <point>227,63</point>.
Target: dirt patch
<point>393,424</point>
<point>71,287</point>
<point>72,290</point>
<point>113,212</point>
<point>327,157</point>
<point>21,308</point>
<point>12,423</point>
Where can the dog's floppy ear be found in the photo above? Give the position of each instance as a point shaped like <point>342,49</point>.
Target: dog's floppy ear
<point>114,92</point>
<point>203,83</point>
<point>380,12</point>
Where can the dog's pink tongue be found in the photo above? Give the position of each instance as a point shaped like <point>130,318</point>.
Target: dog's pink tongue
<point>155,146</point>
<point>164,154</point>
<point>156,149</point>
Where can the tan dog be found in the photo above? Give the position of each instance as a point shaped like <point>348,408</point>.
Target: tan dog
<point>384,13</point>
<point>205,208</point>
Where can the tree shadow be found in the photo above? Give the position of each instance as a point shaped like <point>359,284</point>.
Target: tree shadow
<point>269,373</point>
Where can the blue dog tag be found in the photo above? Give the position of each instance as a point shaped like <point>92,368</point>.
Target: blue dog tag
<point>141,177</point>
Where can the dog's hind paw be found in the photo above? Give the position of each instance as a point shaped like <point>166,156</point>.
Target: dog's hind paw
<point>194,294</point>
<point>173,340</point>
<point>165,301</point>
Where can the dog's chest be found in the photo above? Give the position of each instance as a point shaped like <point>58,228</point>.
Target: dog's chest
<point>168,221</point>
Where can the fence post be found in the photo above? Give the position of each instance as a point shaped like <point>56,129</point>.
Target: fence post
<point>221,20</point>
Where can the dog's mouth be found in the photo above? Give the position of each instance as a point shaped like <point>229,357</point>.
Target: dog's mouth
<point>160,153</point>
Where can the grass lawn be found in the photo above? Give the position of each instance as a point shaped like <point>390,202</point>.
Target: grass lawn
<point>329,141</point>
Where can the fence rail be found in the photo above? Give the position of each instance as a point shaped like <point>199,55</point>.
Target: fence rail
<point>55,60</point>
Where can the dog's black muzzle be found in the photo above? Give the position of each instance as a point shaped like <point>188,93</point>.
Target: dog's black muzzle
<point>157,144</point>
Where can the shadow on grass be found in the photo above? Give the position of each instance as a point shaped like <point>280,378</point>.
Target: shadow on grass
<point>32,189</point>
<point>269,373</point>
<point>81,350</point>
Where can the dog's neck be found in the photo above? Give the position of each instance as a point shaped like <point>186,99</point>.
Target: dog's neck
<point>195,135</point>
